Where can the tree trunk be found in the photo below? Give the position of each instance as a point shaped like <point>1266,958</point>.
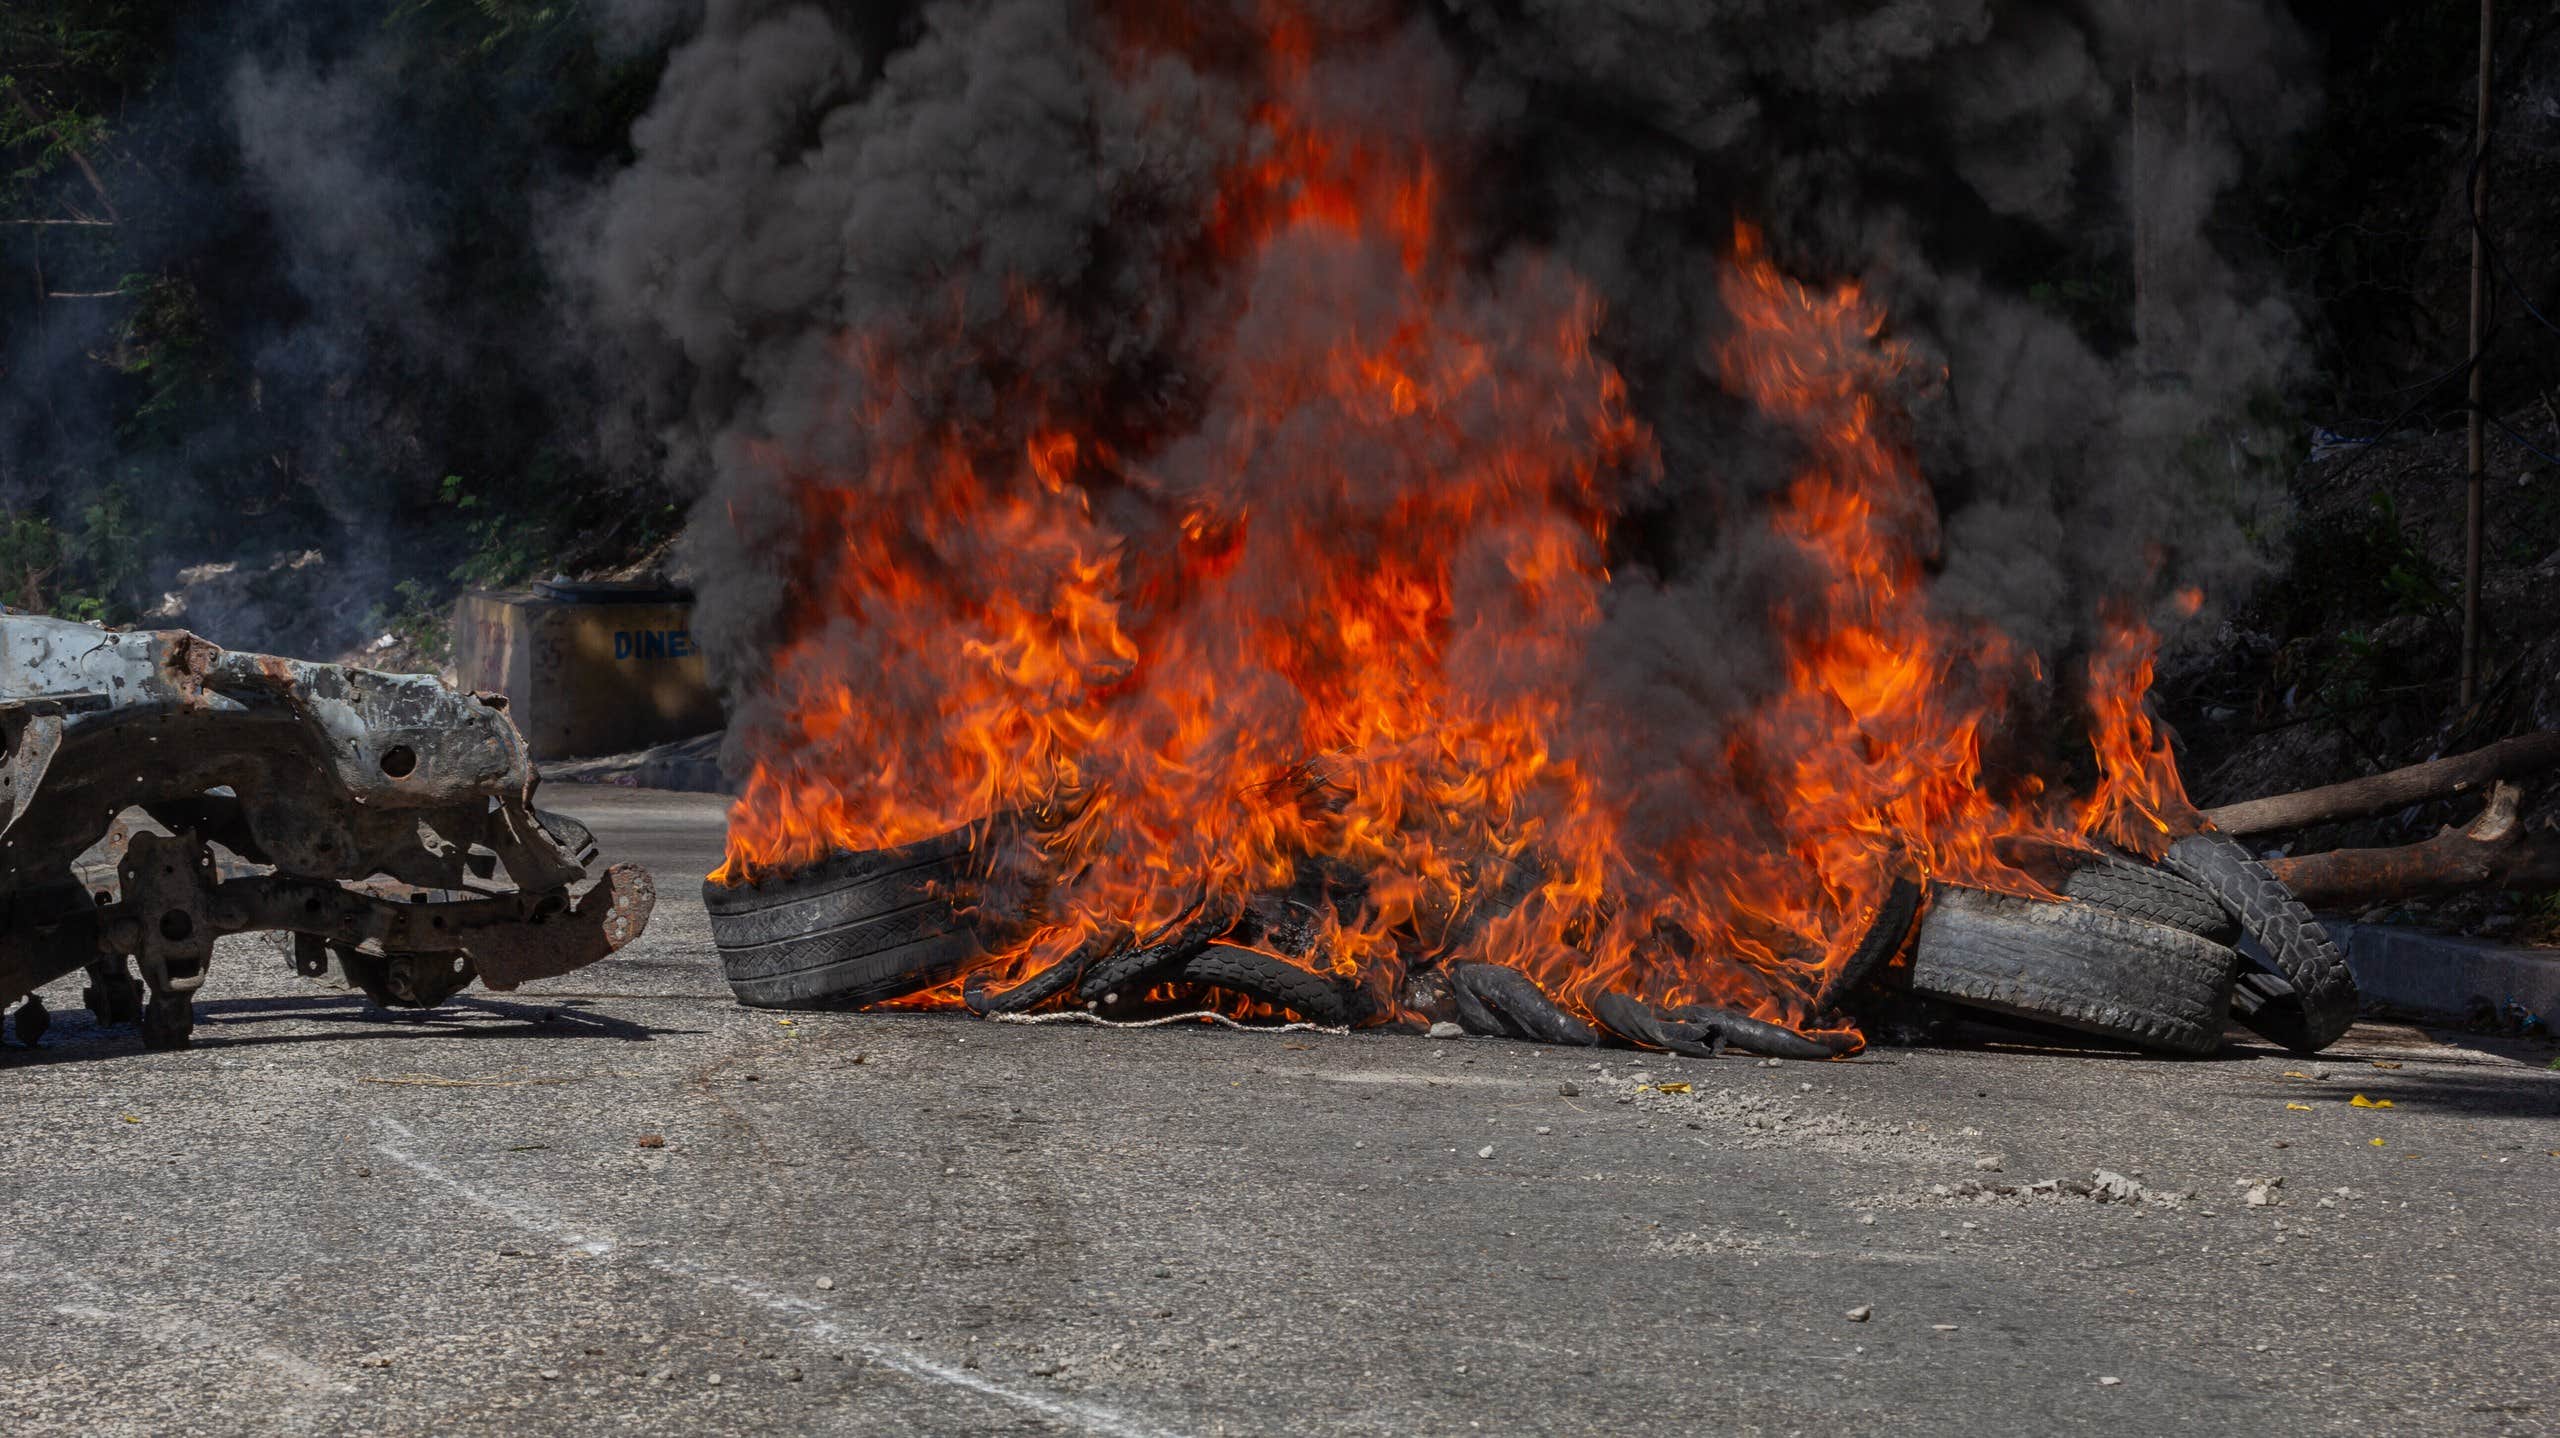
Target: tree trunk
<point>2381,793</point>
<point>2495,852</point>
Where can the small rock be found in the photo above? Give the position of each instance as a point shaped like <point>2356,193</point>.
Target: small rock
<point>713,1380</point>
<point>1862,1313</point>
<point>2109,1382</point>
<point>790,1375</point>
<point>1447,1030</point>
<point>653,1140</point>
<point>1988,1163</point>
<point>550,1375</point>
<point>826,1283</point>
<point>1485,1152</point>
<point>1944,1327</point>
<point>1868,1219</point>
<point>2108,1186</point>
<point>1568,1090</point>
<point>1543,1129</point>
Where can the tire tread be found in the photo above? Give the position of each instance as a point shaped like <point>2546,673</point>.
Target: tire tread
<point>2077,965</point>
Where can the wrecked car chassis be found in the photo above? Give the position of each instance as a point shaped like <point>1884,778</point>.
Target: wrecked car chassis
<point>158,793</point>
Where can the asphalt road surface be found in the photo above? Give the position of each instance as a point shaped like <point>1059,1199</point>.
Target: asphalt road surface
<point>322,1219</point>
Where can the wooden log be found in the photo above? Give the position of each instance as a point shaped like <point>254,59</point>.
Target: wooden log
<point>2398,789</point>
<point>2494,852</point>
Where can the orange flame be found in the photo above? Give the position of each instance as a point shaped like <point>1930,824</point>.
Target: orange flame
<point>1334,635</point>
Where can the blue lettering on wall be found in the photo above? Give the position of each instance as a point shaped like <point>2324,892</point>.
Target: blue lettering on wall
<point>654,644</point>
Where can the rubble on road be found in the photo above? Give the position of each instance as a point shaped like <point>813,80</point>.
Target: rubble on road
<point>2101,1186</point>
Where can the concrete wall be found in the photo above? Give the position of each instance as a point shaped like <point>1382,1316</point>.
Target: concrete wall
<point>584,677</point>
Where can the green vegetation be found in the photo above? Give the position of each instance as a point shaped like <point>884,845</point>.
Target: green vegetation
<point>205,363</point>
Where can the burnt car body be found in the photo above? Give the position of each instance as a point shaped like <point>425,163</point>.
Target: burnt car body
<point>158,793</point>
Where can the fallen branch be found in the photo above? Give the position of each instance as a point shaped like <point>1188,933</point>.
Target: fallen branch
<point>2495,852</point>
<point>2398,789</point>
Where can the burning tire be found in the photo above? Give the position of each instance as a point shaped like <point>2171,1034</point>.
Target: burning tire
<point>2076,965</point>
<point>2316,998</point>
<point>855,929</point>
<point>2151,893</point>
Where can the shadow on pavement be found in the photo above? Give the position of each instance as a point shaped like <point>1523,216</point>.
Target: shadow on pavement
<point>231,1023</point>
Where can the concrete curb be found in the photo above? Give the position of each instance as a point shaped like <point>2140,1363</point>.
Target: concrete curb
<point>2438,975</point>
<point>689,766</point>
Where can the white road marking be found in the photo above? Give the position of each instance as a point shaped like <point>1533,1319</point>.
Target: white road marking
<point>181,1333</point>
<point>807,1314</point>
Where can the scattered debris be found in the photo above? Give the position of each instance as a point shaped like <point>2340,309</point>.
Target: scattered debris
<point>2101,1186</point>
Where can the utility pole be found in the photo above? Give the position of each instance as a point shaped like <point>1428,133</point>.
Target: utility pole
<point>2477,488</point>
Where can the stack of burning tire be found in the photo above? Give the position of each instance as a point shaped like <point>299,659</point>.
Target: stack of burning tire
<point>2153,956</point>
<point>857,929</point>
<point>2157,956</point>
